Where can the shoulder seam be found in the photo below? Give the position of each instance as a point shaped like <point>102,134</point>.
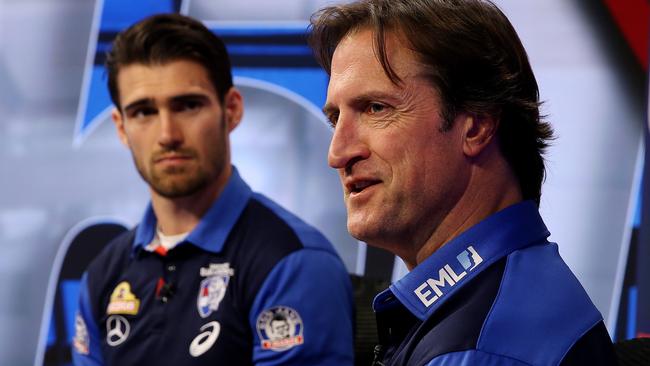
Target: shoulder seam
<point>496,298</point>
<point>285,215</point>
<point>582,334</point>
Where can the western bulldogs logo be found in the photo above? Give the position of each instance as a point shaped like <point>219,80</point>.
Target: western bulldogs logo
<point>213,288</point>
<point>280,328</point>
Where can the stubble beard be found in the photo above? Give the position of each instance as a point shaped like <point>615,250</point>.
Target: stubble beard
<point>378,224</point>
<point>363,224</point>
<point>177,182</point>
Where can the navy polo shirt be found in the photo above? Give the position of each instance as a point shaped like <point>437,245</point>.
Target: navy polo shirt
<point>251,285</point>
<point>498,294</point>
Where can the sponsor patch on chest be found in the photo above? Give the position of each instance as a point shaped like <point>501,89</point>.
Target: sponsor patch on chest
<point>123,301</point>
<point>117,330</point>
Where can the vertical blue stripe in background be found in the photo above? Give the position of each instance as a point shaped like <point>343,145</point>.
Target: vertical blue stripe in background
<point>632,296</point>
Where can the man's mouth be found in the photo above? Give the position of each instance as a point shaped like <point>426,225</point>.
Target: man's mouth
<point>357,186</point>
<point>172,158</point>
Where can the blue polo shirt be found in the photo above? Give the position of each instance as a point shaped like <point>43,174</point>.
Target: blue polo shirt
<point>498,294</point>
<point>251,285</point>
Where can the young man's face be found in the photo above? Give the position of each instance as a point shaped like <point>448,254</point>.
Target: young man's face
<point>176,128</point>
<point>401,174</point>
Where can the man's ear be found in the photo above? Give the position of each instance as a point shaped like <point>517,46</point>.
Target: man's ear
<point>234,108</point>
<point>479,131</point>
<point>116,116</point>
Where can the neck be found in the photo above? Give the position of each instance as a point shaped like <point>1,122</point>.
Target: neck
<point>461,218</point>
<point>492,187</point>
<point>182,214</point>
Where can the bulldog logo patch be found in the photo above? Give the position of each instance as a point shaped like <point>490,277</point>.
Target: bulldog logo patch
<point>213,288</point>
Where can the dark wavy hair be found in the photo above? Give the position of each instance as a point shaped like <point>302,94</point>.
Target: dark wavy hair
<point>472,56</point>
<point>162,38</point>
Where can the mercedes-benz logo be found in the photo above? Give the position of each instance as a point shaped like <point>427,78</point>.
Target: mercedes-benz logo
<point>117,330</point>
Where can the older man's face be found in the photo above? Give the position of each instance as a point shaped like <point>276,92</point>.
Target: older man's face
<point>401,174</point>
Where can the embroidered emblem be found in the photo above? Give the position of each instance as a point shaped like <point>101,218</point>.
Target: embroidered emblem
<point>448,277</point>
<point>117,330</point>
<point>123,301</point>
<point>280,328</point>
<point>202,342</point>
<point>81,341</point>
<point>217,269</point>
<point>213,288</point>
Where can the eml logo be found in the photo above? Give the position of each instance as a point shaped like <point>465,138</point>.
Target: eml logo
<point>468,258</point>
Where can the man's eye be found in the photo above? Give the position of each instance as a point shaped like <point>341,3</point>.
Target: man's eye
<point>190,105</point>
<point>333,119</point>
<point>142,112</point>
<point>376,108</point>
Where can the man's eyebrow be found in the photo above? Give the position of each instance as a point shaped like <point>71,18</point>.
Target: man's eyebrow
<point>176,98</point>
<point>139,103</point>
<point>189,96</point>
<point>374,96</point>
<point>362,99</point>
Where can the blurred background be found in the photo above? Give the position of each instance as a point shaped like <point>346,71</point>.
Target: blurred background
<point>62,167</point>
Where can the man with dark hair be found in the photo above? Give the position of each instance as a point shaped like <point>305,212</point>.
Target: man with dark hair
<point>438,142</point>
<point>211,263</point>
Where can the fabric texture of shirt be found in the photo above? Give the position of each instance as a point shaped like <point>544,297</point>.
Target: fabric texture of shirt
<point>251,285</point>
<point>498,294</point>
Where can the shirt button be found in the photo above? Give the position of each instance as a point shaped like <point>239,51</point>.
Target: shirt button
<point>171,268</point>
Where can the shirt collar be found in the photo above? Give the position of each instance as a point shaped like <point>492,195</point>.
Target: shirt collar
<point>213,229</point>
<point>435,280</point>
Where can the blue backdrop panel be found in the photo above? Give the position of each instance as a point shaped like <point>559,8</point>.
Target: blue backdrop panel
<point>78,249</point>
<point>275,54</point>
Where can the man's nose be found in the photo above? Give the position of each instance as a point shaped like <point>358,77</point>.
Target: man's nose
<point>171,133</point>
<point>347,145</point>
